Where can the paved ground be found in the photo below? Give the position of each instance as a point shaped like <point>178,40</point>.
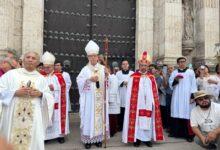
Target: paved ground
<point>73,142</point>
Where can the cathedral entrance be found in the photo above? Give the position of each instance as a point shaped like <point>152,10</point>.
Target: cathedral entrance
<point>70,24</point>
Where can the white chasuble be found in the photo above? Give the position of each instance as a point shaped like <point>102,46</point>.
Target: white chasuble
<point>92,104</point>
<point>24,119</point>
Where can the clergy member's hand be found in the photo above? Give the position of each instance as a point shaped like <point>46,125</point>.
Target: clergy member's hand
<point>35,93</point>
<point>22,92</point>
<point>125,83</point>
<point>51,87</point>
<point>94,78</point>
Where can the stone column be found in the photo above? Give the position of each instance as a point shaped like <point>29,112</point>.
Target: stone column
<point>168,30</point>
<point>33,14</point>
<point>144,27</point>
<point>207,31</point>
<point>6,24</point>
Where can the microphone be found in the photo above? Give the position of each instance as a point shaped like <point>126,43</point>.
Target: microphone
<point>97,85</point>
<point>29,83</point>
<point>97,82</point>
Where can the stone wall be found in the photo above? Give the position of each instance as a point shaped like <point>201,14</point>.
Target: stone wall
<point>144,27</point>
<point>21,25</point>
<point>159,28</point>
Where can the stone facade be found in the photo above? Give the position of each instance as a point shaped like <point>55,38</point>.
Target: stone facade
<point>166,28</point>
<point>21,25</point>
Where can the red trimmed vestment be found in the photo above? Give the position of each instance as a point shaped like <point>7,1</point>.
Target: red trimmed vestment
<point>142,115</point>
<point>60,119</point>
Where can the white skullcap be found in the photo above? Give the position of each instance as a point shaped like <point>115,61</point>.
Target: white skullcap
<point>48,58</point>
<point>92,48</point>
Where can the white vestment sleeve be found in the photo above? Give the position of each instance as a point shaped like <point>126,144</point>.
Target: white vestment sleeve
<point>193,82</point>
<point>171,79</point>
<point>47,104</point>
<point>6,95</point>
<point>68,81</point>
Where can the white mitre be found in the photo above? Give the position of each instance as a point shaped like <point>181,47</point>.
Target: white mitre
<point>48,58</point>
<point>92,48</point>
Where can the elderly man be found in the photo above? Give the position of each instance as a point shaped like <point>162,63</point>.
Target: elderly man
<point>57,86</point>
<point>91,84</point>
<point>6,64</point>
<point>205,121</point>
<point>142,121</point>
<point>26,101</point>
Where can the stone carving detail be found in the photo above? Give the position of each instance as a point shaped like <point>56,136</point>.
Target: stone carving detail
<point>212,3</point>
<point>188,20</point>
<point>173,1</point>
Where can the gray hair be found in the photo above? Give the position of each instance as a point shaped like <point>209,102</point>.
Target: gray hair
<point>37,55</point>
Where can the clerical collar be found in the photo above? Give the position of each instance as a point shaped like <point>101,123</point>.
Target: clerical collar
<point>125,72</point>
<point>182,70</point>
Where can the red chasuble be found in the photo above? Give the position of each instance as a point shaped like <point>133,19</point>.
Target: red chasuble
<point>133,108</point>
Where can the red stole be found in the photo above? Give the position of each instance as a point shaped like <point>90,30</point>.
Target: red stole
<point>62,102</point>
<point>133,108</point>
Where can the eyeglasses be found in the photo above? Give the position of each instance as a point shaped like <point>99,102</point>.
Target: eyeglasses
<point>181,61</point>
<point>202,98</point>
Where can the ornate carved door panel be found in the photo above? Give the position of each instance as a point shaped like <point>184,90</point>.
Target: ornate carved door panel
<point>70,24</point>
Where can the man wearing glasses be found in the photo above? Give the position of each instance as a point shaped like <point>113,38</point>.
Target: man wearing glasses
<point>205,121</point>
<point>183,83</point>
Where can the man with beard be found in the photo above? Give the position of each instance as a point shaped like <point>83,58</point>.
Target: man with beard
<point>205,121</point>
<point>142,120</point>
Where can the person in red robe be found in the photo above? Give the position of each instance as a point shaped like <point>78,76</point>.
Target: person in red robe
<point>142,121</point>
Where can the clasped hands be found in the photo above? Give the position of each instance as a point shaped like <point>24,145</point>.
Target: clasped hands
<point>28,92</point>
<point>211,137</point>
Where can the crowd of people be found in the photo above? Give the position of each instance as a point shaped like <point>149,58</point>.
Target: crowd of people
<point>142,104</point>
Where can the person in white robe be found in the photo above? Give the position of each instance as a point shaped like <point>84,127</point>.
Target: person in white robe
<point>93,103</point>
<point>58,68</point>
<point>142,121</point>
<point>123,77</point>
<point>208,82</point>
<point>183,83</point>
<point>114,100</point>
<point>60,119</point>
<point>27,105</point>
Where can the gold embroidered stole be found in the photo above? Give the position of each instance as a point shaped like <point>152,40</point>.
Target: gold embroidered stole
<point>98,102</point>
<point>22,123</point>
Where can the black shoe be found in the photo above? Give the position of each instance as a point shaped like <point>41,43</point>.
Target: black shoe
<point>189,140</point>
<point>61,140</point>
<point>99,144</point>
<point>137,143</point>
<point>87,146</point>
<point>212,146</point>
<point>149,144</point>
<point>171,135</point>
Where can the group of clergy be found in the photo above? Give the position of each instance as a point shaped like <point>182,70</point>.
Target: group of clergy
<point>34,104</point>
<point>132,96</point>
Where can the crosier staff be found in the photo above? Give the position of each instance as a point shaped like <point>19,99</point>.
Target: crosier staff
<point>105,86</point>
